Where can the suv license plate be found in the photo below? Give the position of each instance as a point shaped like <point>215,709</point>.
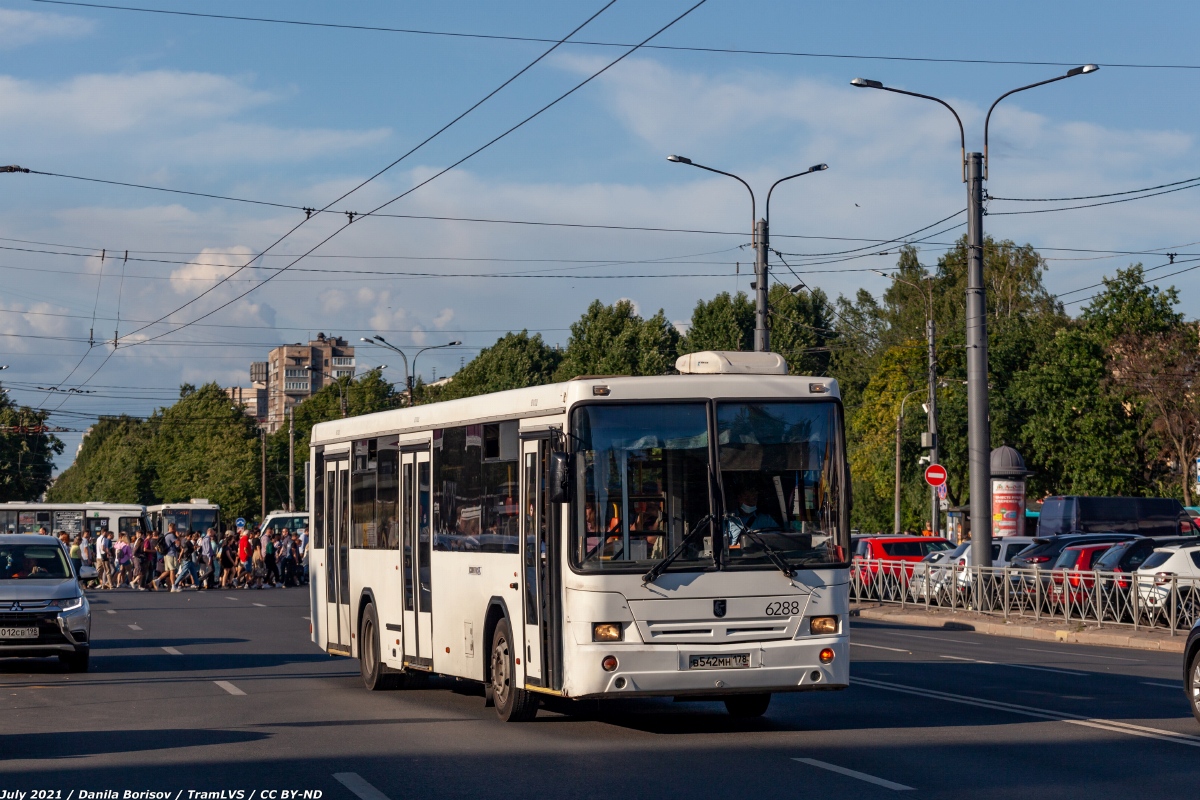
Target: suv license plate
<point>730,661</point>
<point>18,633</point>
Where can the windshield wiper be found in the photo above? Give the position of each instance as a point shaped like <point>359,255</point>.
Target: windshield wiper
<point>658,569</point>
<point>772,553</point>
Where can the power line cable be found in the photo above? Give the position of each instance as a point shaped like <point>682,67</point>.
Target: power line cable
<point>1090,196</point>
<point>682,48</point>
<point>470,155</point>
<point>1087,205</point>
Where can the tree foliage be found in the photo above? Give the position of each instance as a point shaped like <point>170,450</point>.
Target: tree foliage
<point>614,340</point>
<point>26,451</point>
<point>515,361</point>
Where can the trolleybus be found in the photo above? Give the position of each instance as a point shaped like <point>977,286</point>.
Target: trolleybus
<point>74,518</point>
<point>606,537</point>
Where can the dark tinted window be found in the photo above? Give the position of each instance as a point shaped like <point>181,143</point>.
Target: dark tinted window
<point>1195,554</point>
<point>387,492</point>
<point>914,548</point>
<point>363,525</point>
<point>1112,558</point>
<point>1056,516</point>
<point>458,487</point>
<point>1105,514</point>
<point>1067,559</point>
<point>1157,559</point>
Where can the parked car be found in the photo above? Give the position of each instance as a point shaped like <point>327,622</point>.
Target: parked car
<point>938,567</point>
<point>1072,578</point>
<point>43,609</point>
<point>1125,557</point>
<point>1148,516</point>
<point>892,549</point>
<point>1043,554</point>
<point>1177,568</point>
<point>1191,669</point>
<point>1004,550</point>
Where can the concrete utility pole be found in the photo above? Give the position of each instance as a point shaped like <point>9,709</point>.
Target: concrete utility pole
<point>760,229</point>
<point>931,414</point>
<point>291,459</point>
<point>762,331</point>
<point>263,432</point>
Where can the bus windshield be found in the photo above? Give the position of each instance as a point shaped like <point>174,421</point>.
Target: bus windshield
<point>643,477</point>
<point>782,480</point>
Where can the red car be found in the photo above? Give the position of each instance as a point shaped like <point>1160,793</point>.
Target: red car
<point>1071,580</point>
<point>890,549</point>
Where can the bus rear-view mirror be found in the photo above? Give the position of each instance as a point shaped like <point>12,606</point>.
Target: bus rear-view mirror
<point>560,478</point>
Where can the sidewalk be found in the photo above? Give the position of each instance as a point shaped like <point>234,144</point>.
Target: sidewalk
<point>1023,627</point>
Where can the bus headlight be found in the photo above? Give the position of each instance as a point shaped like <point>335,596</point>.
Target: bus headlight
<point>823,626</point>
<point>607,632</point>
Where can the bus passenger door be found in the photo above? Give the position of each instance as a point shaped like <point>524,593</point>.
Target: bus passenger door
<point>423,511</point>
<point>337,555</point>
<point>408,549</point>
<point>533,554</point>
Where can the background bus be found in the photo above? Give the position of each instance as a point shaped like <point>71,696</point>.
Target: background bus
<point>676,535</point>
<point>73,518</point>
<point>294,521</point>
<point>194,516</point>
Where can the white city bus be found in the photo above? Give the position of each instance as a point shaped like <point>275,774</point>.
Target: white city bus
<point>195,516</point>
<point>607,537</point>
<point>18,517</point>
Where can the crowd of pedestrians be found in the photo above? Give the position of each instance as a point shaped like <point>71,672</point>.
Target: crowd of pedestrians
<point>249,558</point>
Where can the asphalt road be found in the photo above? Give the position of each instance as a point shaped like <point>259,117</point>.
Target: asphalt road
<point>211,691</point>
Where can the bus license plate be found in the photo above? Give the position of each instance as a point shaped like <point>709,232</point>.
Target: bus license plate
<point>729,661</point>
<point>18,633</point>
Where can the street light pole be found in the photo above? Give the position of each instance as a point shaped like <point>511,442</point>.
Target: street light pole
<point>974,173</point>
<point>337,382</point>
<point>412,399</point>
<point>379,340</point>
<point>899,420</point>
<point>760,233</point>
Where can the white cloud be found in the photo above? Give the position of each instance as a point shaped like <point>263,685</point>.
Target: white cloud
<point>19,28</point>
<point>209,267</point>
<point>444,318</point>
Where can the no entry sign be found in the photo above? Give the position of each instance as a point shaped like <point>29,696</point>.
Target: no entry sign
<point>935,475</point>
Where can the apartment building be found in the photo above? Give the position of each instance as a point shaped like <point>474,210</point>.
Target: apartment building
<point>294,372</point>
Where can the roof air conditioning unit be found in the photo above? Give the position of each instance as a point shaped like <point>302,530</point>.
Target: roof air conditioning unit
<point>731,362</point>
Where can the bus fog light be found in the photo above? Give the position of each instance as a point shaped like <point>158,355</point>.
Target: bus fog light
<point>820,626</point>
<point>607,632</point>
<point>609,663</point>
<point>619,683</point>
<point>827,655</point>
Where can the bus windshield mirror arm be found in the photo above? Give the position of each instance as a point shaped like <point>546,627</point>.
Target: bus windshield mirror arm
<point>657,570</point>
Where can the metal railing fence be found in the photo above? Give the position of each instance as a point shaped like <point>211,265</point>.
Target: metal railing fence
<point>1163,601</point>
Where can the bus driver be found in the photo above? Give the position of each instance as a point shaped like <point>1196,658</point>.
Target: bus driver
<point>747,517</point>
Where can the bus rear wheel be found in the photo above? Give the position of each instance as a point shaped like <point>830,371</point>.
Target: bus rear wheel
<point>513,704</point>
<point>375,675</point>
<point>747,706</point>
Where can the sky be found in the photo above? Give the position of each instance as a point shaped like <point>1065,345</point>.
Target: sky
<point>299,115</point>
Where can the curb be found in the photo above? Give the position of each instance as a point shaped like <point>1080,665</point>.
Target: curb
<point>1046,633</point>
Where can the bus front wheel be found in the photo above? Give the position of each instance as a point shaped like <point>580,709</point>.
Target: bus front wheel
<point>513,704</point>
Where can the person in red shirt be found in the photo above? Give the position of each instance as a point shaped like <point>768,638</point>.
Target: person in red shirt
<point>244,554</point>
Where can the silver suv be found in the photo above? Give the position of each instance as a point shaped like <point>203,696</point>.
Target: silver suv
<point>43,610</point>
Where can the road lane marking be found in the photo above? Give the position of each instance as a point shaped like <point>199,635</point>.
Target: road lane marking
<point>135,627</point>
<point>932,638</point>
<point>862,776</point>
<point>880,647</point>
<point>1109,725</point>
<point>1016,666</point>
<point>357,784</point>
<point>172,651</point>
<point>307,618</point>
<point>1077,652</point>
<point>1176,687</point>
<point>260,605</point>
<point>109,611</point>
<point>227,597</point>
<point>229,687</point>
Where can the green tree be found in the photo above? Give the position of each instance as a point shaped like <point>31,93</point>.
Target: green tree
<point>114,465</point>
<point>515,361</point>
<point>205,447</point>
<point>27,451</point>
<point>614,340</point>
<point>802,329</point>
<point>724,323</point>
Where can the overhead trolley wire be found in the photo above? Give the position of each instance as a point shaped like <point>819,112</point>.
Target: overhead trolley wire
<point>536,39</point>
<point>438,174</point>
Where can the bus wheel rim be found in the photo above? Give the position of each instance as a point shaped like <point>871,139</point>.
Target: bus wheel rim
<point>500,672</point>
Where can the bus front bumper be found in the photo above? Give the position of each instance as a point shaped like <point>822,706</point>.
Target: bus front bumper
<point>665,670</point>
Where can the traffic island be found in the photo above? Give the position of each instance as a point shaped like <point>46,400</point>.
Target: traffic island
<point>1023,628</point>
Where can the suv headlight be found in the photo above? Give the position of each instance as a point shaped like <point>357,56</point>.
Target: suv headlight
<point>69,603</point>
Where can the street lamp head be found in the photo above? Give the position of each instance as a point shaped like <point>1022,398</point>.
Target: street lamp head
<point>365,339</point>
<point>818,168</point>
<point>880,273</point>
<point>380,368</point>
<point>308,368</point>
<point>4,366</point>
<point>1084,70</point>
<point>679,159</point>
<point>866,83</point>
<point>379,338</point>
<point>455,343</point>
